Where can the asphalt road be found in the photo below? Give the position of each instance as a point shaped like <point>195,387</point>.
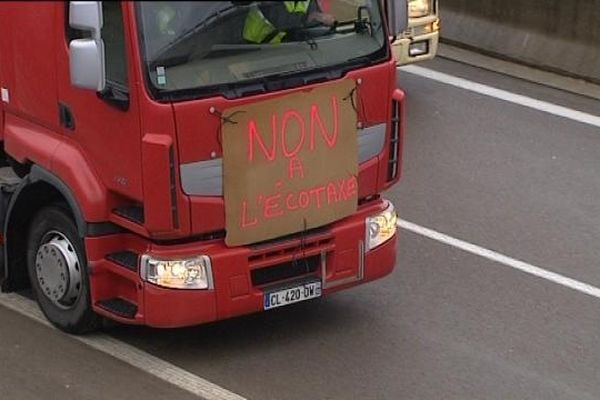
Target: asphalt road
<point>446,324</point>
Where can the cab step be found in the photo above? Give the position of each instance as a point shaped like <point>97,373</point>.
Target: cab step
<point>119,307</point>
<point>126,259</point>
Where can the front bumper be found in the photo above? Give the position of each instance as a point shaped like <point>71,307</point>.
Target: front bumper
<point>241,275</point>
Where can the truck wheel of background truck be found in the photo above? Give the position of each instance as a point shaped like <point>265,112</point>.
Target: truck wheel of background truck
<point>57,268</point>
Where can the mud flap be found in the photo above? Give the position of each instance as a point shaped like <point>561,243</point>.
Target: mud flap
<point>7,188</point>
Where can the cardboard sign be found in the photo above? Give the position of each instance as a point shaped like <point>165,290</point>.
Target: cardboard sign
<point>290,163</point>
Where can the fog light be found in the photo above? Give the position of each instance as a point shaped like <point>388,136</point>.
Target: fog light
<point>381,227</point>
<point>418,49</point>
<point>189,273</point>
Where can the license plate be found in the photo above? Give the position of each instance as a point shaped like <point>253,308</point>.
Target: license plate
<point>291,295</point>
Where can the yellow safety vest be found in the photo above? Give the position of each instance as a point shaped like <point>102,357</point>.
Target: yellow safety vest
<point>258,29</point>
<point>300,7</point>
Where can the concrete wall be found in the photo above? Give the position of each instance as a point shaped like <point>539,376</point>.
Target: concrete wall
<point>558,35</point>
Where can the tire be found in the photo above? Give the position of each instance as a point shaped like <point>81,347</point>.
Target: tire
<point>57,268</point>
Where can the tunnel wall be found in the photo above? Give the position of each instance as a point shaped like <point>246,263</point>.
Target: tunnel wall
<point>557,35</point>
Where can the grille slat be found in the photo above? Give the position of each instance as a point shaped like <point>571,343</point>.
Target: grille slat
<point>394,154</point>
<point>285,250</point>
<point>288,270</point>
<point>294,257</point>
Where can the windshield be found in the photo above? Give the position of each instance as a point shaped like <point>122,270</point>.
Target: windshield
<point>230,47</point>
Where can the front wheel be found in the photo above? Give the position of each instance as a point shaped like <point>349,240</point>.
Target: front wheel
<point>21,170</point>
<point>57,269</point>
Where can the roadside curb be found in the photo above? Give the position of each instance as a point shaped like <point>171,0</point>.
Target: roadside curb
<point>128,354</point>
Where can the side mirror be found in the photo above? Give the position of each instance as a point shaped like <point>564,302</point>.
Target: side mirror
<point>397,13</point>
<point>86,56</point>
<point>86,62</point>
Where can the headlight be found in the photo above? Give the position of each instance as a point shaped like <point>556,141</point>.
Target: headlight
<point>191,273</point>
<point>419,8</point>
<point>381,227</point>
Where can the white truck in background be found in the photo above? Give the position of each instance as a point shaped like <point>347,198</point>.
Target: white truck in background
<point>420,40</point>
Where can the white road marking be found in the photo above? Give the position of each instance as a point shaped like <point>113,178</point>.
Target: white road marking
<point>502,259</point>
<point>209,391</point>
<point>486,90</point>
<point>133,356</point>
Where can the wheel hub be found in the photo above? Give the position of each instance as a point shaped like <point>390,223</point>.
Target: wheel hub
<point>58,270</point>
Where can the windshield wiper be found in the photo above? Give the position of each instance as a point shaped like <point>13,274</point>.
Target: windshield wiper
<point>279,81</point>
<point>308,33</point>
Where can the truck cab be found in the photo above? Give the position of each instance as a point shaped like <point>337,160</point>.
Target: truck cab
<point>181,163</point>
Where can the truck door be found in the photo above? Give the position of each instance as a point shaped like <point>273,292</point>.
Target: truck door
<point>3,98</point>
<point>105,125</point>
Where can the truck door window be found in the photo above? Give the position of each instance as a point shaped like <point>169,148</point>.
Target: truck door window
<point>113,35</point>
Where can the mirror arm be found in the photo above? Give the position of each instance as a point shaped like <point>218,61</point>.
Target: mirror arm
<point>114,96</point>
<point>397,15</point>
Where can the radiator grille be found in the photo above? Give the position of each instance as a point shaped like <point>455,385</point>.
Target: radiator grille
<point>395,144</point>
<point>286,270</point>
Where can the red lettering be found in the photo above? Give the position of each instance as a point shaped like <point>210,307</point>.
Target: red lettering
<point>288,202</point>
<point>284,133</point>
<point>317,192</point>
<point>244,222</point>
<point>303,199</point>
<point>315,119</point>
<point>331,193</point>
<point>271,208</point>
<point>254,135</point>
<point>295,166</point>
<point>341,185</point>
<point>351,187</point>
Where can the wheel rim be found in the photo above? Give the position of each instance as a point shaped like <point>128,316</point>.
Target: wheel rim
<point>58,270</point>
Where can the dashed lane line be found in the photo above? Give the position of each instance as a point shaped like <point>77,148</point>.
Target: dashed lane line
<point>501,259</point>
<point>505,95</point>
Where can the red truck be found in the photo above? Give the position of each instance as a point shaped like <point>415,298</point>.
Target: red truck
<point>184,162</point>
